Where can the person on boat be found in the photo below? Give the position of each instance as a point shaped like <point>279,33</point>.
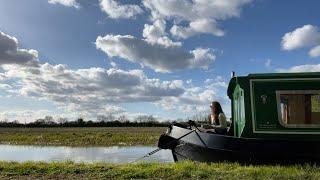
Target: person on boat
<point>217,119</point>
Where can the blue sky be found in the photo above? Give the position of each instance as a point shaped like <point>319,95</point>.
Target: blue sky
<point>66,32</point>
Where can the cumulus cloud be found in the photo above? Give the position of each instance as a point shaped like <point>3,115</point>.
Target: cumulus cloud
<point>28,115</point>
<point>197,99</point>
<point>113,64</point>
<point>90,90</point>
<point>112,109</point>
<point>115,10</point>
<point>201,15</point>
<point>267,63</point>
<point>196,27</point>
<point>68,3</point>
<point>5,86</point>
<point>10,53</point>
<point>157,57</point>
<point>302,68</point>
<point>2,77</point>
<point>315,52</point>
<point>94,91</point>
<point>306,36</point>
<point>156,34</point>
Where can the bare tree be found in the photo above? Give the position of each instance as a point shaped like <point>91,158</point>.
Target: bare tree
<point>151,119</point>
<point>48,120</point>
<point>62,120</point>
<point>123,118</point>
<point>200,117</point>
<point>101,118</point>
<point>145,118</point>
<point>15,122</point>
<point>108,118</point>
<point>141,118</point>
<point>4,121</point>
<point>111,117</point>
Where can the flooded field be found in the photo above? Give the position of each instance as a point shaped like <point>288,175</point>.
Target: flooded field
<point>113,154</point>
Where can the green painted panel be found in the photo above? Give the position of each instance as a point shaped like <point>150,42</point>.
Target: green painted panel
<point>265,103</point>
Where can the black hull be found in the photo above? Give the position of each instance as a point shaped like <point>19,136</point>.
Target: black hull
<point>205,147</point>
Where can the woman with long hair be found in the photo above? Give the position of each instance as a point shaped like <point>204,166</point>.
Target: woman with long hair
<point>217,118</point>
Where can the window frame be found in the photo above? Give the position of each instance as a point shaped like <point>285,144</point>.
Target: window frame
<point>299,92</point>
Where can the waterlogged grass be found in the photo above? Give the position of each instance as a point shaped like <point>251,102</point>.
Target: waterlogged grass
<point>109,136</point>
<point>183,170</point>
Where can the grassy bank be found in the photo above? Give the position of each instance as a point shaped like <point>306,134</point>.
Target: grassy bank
<point>109,136</point>
<point>185,170</point>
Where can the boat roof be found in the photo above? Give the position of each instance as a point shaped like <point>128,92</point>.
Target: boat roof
<point>239,79</point>
<point>283,75</point>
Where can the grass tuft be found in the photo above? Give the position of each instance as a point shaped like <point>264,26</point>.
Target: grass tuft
<point>181,170</point>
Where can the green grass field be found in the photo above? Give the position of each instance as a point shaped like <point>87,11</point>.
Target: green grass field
<point>108,136</point>
<point>184,170</point>
<point>126,136</point>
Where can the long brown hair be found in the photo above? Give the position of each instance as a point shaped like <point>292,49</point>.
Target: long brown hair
<point>217,110</point>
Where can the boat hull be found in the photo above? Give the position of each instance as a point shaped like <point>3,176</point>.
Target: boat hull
<point>207,147</point>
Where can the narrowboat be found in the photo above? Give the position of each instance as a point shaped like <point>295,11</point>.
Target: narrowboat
<point>275,119</point>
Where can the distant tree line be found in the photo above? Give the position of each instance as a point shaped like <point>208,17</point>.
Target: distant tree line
<point>101,121</point>
<point>109,120</point>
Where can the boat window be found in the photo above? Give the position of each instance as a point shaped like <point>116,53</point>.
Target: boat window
<point>299,108</point>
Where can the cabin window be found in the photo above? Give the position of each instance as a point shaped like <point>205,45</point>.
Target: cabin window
<point>299,108</point>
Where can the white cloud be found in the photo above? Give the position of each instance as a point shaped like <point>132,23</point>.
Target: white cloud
<point>201,15</point>
<point>155,34</point>
<point>90,90</point>
<point>10,53</point>
<point>2,77</point>
<point>197,99</point>
<point>5,86</point>
<point>115,10</point>
<point>196,27</point>
<point>68,3</point>
<point>303,68</point>
<point>113,64</point>
<point>111,109</point>
<point>93,91</point>
<point>157,57</point>
<point>28,115</point>
<point>315,52</point>
<point>306,36</point>
<point>267,63</point>
<point>189,82</point>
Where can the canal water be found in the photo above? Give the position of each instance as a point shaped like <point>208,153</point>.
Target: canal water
<point>112,154</point>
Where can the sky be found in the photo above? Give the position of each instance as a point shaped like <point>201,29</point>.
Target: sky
<point>166,58</point>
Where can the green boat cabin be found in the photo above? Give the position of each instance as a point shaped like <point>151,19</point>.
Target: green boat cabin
<point>276,105</point>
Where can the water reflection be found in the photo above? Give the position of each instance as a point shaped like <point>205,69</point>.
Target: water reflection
<point>112,154</point>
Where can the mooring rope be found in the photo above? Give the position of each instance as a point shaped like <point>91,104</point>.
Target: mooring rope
<point>147,155</point>
<point>158,149</point>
